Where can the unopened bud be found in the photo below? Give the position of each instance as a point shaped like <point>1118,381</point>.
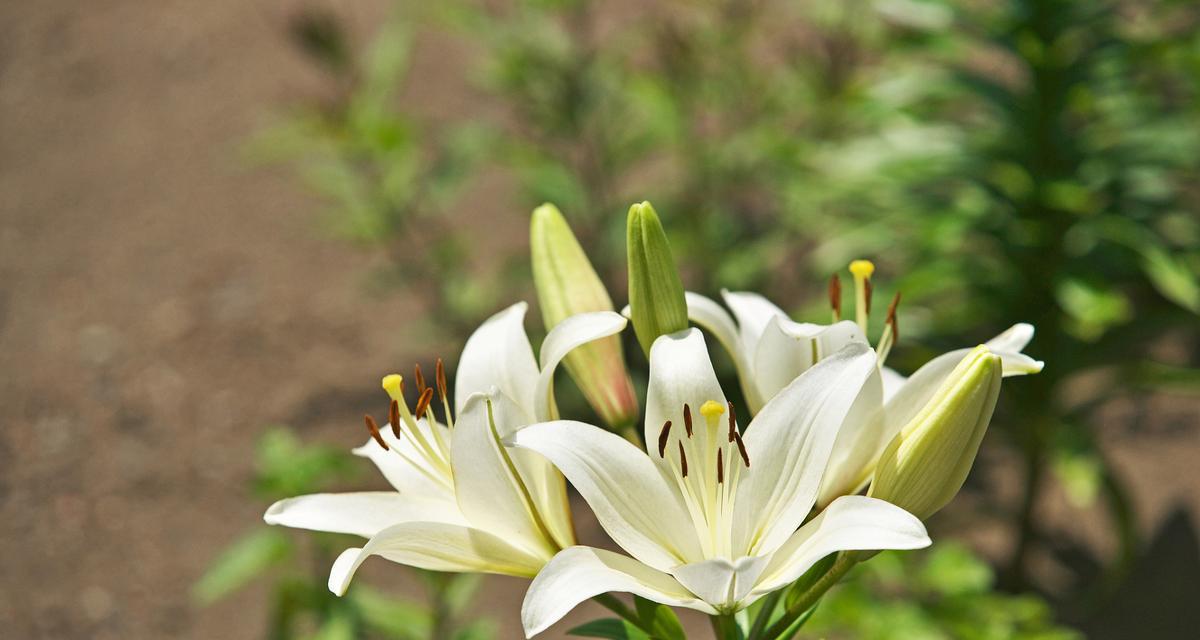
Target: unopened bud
<point>567,285</point>
<point>656,302</point>
<point>925,465</point>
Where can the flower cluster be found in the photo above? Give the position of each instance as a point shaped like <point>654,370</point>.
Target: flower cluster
<point>715,505</point>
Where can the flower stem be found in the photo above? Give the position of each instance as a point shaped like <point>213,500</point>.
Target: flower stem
<point>764,614</point>
<point>724,627</point>
<point>845,561</point>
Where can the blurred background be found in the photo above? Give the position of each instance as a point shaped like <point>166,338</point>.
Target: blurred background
<point>222,222</point>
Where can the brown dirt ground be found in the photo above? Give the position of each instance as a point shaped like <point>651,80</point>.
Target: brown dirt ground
<point>159,303</point>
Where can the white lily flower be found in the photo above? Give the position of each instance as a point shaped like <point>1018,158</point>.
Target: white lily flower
<point>769,350</point>
<point>462,502</point>
<point>713,520</point>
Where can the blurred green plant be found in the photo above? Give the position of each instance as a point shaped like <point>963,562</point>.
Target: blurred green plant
<point>942,593</point>
<point>301,606</point>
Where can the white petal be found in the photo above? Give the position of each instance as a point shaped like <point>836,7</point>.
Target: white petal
<point>720,582</point>
<point>680,372</point>
<point>752,312</point>
<point>362,514</point>
<point>858,443</point>
<point>892,381</point>
<point>789,444</point>
<point>1014,339</point>
<point>488,492</point>
<point>579,573</point>
<point>400,472</point>
<point>786,349</point>
<point>631,499</point>
<point>849,523</point>
<point>714,318</point>
<point>437,546</point>
<point>573,332</point>
<point>498,354</point>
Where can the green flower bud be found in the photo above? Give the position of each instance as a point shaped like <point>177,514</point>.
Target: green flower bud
<point>925,465</point>
<point>567,285</point>
<point>656,302</point>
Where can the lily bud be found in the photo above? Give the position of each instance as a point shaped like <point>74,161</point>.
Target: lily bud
<point>656,302</point>
<point>925,465</point>
<point>567,285</point>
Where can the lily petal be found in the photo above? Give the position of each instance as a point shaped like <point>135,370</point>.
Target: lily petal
<point>753,312</point>
<point>721,582</point>
<point>680,372</point>
<point>717,321</point>
<point>362,514</point>
<point>401,472</point>
<point>579,573</point>
<point>789,444</point>
<point>858,443</point>
<point>631,499</point>
<point>1014,339</point>
<point>437,546</point>
<point>850,523</point>
<point>785,349</point>
<point>488,492</point>
<point>498,354</point>
<point>572,332</point>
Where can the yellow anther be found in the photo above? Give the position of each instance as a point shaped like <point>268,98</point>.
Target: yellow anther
<point>712,409</point>
<point>393,385</point>
<point>862,268</point>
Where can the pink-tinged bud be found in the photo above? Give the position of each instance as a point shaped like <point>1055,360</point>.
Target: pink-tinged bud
<point>567,284</point>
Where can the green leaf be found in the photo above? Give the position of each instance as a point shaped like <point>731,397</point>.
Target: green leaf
<point>395,618</point>
<point>241,562</point>
<point>609,628</point>
<point>460,590</point>
<point>660,619</point>
<point>809,578</point>
<point>336,627</point>
<point>1173,279</point>
<point>477,630</point>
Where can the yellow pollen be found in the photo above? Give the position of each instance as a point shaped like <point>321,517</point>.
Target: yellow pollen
<point>391,383</point>
<point>862,268</point>
<point>712,409</point>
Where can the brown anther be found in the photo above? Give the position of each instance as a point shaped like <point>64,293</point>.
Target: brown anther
<point>687,419</point>
<point>423,401</point>
<point>742,450</point>
<point>868,289</point>
<point>394,417</point>
<point>720,466</point>
<point>419,377</point>
<point>835,294</point>
<point>374,429</point>
<point>732,422</point>
<point>682,459</point>
<point>441,380</point>
<point>891,317</point>
<point>662,439</point>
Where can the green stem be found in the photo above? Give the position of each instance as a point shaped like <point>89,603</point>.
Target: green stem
<point>724,626</point>
<point>844,562</point>
<point>764,614</point>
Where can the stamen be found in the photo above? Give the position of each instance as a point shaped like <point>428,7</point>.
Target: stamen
<point>394,385</point>
<point>682,459</point>
<point>423,402</point>
<point>742,449</point>
<point>420,378</point>
<point>662,439</point>
<point>720,467</point>
<point>443,391</point>
<point>862,270</point>
<point>835,296</point>
<point>891,317</point>
<point>374,429</point>
<point>732,423</point>
<point>687,419</point>
<point>394,418</point>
